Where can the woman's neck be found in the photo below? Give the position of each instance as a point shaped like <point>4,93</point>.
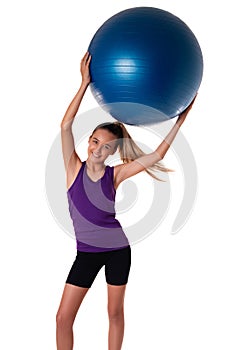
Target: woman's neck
<point>95,167</point>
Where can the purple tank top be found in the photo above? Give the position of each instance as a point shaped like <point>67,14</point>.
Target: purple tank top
<point>92,209</point>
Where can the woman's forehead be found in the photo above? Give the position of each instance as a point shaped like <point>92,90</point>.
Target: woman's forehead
<point>104,135</point>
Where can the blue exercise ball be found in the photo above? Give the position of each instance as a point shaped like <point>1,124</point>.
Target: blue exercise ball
<point>146,66</point>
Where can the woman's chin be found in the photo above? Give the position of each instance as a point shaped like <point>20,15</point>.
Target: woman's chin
<point>96,159</point>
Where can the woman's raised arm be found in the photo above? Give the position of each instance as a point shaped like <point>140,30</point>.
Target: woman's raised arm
<point>165,145</point>
<point>124,171</point>
<point>70,157</point>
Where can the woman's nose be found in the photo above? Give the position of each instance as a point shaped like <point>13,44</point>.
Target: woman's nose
<point>98,149</point>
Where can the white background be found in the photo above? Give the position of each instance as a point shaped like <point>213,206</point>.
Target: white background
<point>185,290</point>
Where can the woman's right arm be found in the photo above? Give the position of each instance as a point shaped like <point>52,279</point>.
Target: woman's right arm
<point>71,160</point>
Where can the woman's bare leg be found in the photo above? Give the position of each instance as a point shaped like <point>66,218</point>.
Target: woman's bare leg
<point>116,296</point>
<point>71,300</point>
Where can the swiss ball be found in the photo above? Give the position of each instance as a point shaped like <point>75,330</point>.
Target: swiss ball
<point>146,66</point>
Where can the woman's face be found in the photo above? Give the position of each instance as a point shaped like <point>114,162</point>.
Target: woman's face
<point>102,144</point>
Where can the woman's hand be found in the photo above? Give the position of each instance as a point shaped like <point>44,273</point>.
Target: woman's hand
<point>183,115</point>
<point>73,107</point>
<point>84,68</point>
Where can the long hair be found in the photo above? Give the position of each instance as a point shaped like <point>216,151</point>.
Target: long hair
<point>128,149</point>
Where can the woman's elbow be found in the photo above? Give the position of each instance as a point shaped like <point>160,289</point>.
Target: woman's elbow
<point>159,155</point>
<point>66,126</point>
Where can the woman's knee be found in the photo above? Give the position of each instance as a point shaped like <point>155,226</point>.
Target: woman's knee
<point>64,319</point>
<point>116,313</point>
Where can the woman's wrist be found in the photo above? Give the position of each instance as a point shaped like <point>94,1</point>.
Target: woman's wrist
<point>85,83</point>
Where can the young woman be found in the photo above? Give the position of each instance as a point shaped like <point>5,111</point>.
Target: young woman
<point>91,189</point>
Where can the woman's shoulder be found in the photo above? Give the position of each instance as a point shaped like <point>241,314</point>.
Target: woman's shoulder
<point>109,169</point>
<point>72,176</point>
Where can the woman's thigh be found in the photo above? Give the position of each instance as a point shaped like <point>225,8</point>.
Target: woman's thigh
<point>117,267</point>
<point>71,300</point>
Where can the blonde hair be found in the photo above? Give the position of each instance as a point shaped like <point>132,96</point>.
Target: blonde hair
<point>128,149</point>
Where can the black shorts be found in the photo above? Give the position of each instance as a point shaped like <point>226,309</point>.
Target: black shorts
<point>87,265</point>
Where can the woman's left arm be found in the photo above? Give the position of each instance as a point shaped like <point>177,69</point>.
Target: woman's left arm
<point>165,145</point>
<point>124,171</point>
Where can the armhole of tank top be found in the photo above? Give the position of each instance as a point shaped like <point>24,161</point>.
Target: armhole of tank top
<point>70,187</point>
